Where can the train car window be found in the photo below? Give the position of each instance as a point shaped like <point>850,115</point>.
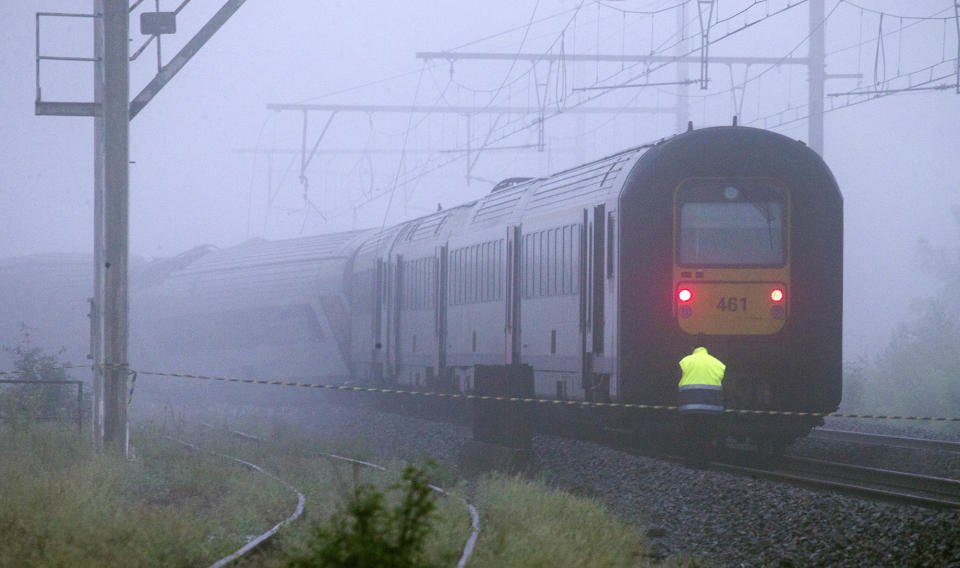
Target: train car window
<point>731,224</point>
<point>575,253</point>
<point>457,277</point>
<point>475,273</point>
<point>555,247</point>
<point>418,284</point>
<point>542,262</point>
<point>484,277</point>
<point>549,263</point>
<point>468,274</point>
<point>491,270</point>
<point>471,274</point>
<point>528,260</point>
<point>611,241</point>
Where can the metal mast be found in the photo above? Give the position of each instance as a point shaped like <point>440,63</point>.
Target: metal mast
<point>112,110</point>
<point>115,222</point>
<point>817,68</point>
<point>96,302</point>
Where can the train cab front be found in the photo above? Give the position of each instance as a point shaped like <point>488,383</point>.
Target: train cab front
<point>731,282</point>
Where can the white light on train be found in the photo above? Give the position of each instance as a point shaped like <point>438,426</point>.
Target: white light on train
<point>684,295</point>
<point>776,295</point>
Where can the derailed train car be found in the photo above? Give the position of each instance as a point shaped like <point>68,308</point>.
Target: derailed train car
<point>600,278</point>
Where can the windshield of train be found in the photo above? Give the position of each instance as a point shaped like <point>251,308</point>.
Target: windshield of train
<point>731,224</point>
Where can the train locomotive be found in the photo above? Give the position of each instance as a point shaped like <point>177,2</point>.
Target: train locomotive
<point>600,278</point>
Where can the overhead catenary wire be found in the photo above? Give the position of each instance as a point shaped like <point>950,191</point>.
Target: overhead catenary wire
<point>893,15</point>
<point>562,99</point>
<point>924,85</point>
<point>403,152</point>
<point>511,128</point>
<point>429,168</point>
<point>652,12</point>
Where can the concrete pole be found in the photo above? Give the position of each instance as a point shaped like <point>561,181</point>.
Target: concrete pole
<point>817,71</point>
<point>682,110</point>
<point>116,121</point>
<point>96,307</point>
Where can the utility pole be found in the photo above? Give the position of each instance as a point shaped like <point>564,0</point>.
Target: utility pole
<point>112,110</point>
<point>116,199</point>
<point>96,303</point>
<point>682,113</point>
<point>817,69</point>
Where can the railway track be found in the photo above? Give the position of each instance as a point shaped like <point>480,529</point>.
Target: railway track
<point>862,481</point>
<point>869,482</point>
<point>474,515</point>
<point>865,439</point>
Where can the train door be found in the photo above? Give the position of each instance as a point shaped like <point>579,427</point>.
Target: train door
<point>376,357</point>
<point>592,264</point>
<point>440,313</point>
<point>393,311</point>
<point>583,270</point>
<point>512,297</point>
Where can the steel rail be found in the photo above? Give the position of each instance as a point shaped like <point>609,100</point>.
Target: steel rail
<point>242,551</point>
<point>867,482</point>
<point>474,515</point>
<point>874,483</point>
<point>940,487</point>
<point>884,440</point>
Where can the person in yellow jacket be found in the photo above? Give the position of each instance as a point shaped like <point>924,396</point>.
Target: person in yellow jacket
<point>700,399</point>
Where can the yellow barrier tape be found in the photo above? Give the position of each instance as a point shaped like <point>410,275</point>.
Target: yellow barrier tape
<point>42,368</point>
<point>544,401</point>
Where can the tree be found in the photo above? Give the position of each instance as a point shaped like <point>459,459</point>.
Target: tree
<point>919,369</point>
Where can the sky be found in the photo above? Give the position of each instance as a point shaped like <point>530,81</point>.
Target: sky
<point>210,164</point>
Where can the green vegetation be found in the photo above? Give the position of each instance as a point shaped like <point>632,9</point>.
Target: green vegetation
<point>525,524</point>
<point>22,404</point>
<point>917,372</point>
<point>363,532</point>
<point>63,505</point>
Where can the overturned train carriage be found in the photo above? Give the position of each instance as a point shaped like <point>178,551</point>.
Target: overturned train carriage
<point>600,278</point>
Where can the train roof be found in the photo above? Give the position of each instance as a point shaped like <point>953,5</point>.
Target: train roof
<point>256,273</point>
<point>562,189</point>
<point>263,253</point>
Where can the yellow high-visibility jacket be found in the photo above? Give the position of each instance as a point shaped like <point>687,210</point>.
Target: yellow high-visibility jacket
<point>701,368</point>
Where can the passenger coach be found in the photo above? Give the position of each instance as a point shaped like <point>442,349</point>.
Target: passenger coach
<point>603,276</point>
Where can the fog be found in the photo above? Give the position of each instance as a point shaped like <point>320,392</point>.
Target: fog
<point>210,164</point>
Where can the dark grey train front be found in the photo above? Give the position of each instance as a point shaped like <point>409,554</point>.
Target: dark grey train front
<point>578,275</point>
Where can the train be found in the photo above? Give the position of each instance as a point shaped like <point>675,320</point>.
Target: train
<point>598,278</point>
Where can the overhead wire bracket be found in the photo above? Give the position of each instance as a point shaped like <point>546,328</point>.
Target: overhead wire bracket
<point>305,158</point>
<point>705,5</point>
<point>168,71</point>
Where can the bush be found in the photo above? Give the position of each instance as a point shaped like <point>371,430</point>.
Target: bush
<point>364,533</point>
<point>25,403</point>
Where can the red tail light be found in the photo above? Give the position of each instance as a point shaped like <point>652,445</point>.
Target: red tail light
<point>776,295</point>
<point>684,295</point>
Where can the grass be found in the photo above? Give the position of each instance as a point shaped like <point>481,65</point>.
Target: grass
<point>526,524</point>
<point>523,522</point>
<point>62,505</point>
